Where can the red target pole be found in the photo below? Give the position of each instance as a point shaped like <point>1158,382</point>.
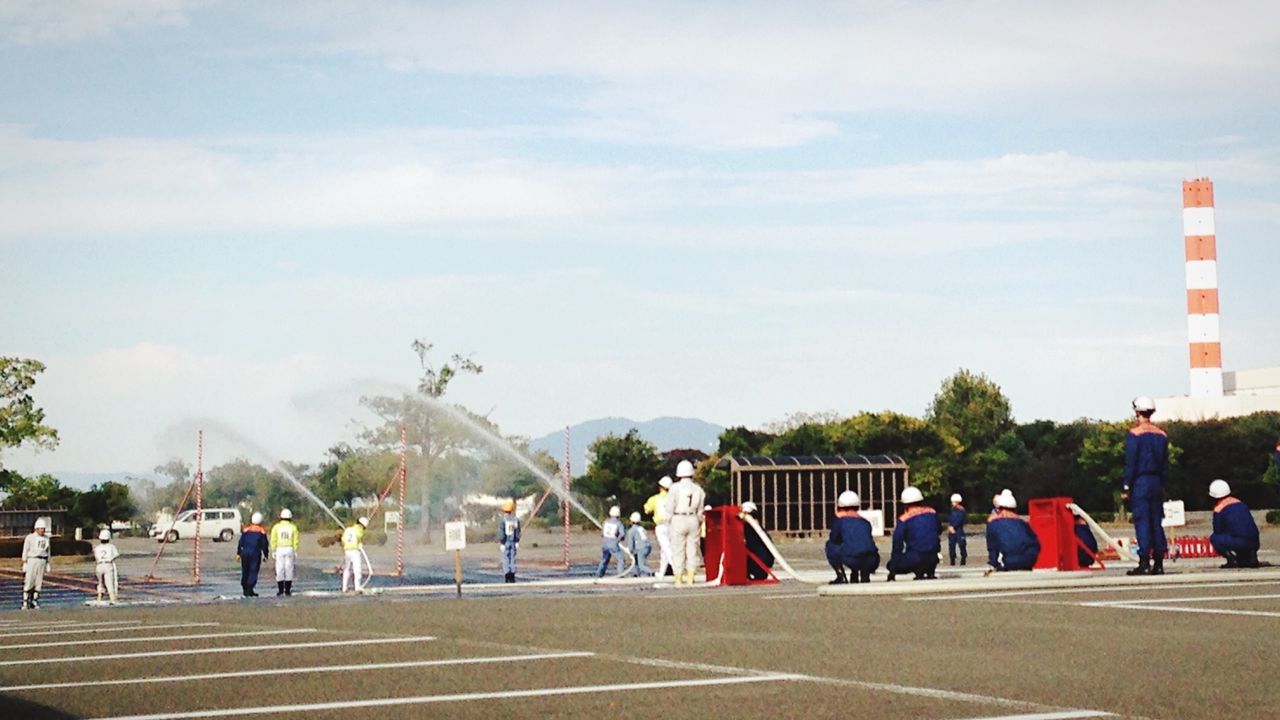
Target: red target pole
<point>404,449</point>
<point>564,501</point>
<point>199,498</point>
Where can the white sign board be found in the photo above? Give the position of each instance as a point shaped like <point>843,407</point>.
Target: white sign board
<point>1175,514</point>
<point>876,518</point>
<point>455,535</point>
<point>391,518</point>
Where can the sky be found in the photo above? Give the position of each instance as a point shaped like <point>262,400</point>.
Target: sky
<point>237,216</point>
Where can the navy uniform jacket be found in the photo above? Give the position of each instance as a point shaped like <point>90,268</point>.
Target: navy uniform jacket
<point>956,519</point>
<point>253,544</point>
<point>1231,517</point>
<point>1011,536</point>
<point>851,536</point>
<point>1146,454</point>
<point>916,533</point>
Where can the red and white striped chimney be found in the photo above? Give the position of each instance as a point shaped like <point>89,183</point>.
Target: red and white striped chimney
<point>1202,288</point>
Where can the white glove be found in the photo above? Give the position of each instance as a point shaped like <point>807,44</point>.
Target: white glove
<point>517,546</point>
<point>501,547</point>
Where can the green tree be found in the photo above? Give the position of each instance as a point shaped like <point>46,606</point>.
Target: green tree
<point>21,422</point>
<point>974,419</point>
<point>622,470</point>
<point>430,432</point>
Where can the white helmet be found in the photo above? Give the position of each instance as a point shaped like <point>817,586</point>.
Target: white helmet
<point>635,517</point>
<point>912,495</point>
<point>955,497</point>
<point>364,521</point>
<point>105,535</point>
<point>615,511</point>
<point>256,518</point>
<point>285,514</point>
<point>665,482</point>
<point>1006,500</point>
<point>848,499</point>
<point>749,507</point>
<point>1219,489</point>
<point>41,524</point>
<point>684,469</point>
<point>1144,404</point>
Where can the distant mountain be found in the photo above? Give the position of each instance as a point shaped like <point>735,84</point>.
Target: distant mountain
<point>666,433</point>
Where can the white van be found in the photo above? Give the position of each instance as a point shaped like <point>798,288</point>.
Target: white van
<point>218,523</point>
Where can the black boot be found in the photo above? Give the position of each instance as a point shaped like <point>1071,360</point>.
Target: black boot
<point>1248,559</point>
<point>288,587</point>
<point>1144,568</point>
<point>1231,560</point>
<point>279,588</point>
<point>509,577</point>
<point>866,576</point>
<point>840,578</point>
<point>855,576</point>
<point>891,576</point>
<point>1157,566</point>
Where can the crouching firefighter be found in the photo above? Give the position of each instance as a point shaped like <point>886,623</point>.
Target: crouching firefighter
<point>850,544</point>
<point>1011,545</point>
<point>915,539</point>
<point>1235,534</point>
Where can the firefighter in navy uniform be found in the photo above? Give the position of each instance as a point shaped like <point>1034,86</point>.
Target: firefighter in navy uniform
<point>253,549</point>
<point>850,544</point>
<point>1146,468</point>
<point>1235,534</point>
<point>955,530</point>
<point>915,539</point>
<point>1011,544</point>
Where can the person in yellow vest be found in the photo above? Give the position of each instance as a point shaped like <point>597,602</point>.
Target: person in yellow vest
<point>352,554</point>
<point>284,545</point>
<point>660,509</point>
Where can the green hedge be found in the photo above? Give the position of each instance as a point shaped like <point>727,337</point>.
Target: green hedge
<point>12,547</point>
<point>1273,517</point>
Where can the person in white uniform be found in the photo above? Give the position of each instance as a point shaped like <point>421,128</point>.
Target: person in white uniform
<point>284,538</point>
<point>35,562</point>
<point>104,556</point>
<point>686,501</point>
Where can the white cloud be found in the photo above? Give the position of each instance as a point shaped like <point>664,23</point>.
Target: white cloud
<point>29,22</point>
<point>762,74</point>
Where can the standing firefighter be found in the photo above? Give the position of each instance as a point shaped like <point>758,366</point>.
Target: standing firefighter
<point>104,556</point>
<point>253,549</point>
<point>686,500</point>
<point>611,534</point>
<point>508,539</point>
<point>352,557</point>
<point>35,561</point>
<point>284,543</point>
<point>1146,468</point>
<point>955,530</point>
<point>659,507</point>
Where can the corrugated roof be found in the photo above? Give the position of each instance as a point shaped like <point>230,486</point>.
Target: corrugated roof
<point>831,461</point>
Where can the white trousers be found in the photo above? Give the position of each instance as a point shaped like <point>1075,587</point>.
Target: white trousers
<point>285,558</point>
<point>685,532</point>
<point>663,532</point>
<point>34,577</point>
<point>107,580</point>
<point>352,566</point>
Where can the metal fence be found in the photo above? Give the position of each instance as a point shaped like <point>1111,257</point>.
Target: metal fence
<point>797,493</point>
<point>18,523</point>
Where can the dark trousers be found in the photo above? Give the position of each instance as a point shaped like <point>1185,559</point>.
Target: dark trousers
<point>249,573</point>
<point>912,563</point>
<point>1148,510</point>
<point>954,540</point>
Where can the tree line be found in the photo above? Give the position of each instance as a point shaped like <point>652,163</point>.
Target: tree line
<point>967,441</point>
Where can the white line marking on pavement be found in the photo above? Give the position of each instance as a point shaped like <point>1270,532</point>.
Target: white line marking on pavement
<point>203,651</point>
<point>460,697</point>
<point>86,631</point>
<point>789,597</point>
<point>1065,591</point>
<point>1064,715</point>
<point>302,670</point>
<point>1201,598</point>
<point>68,623</point>
<point>1205,611</point>
<point>157,638</point>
